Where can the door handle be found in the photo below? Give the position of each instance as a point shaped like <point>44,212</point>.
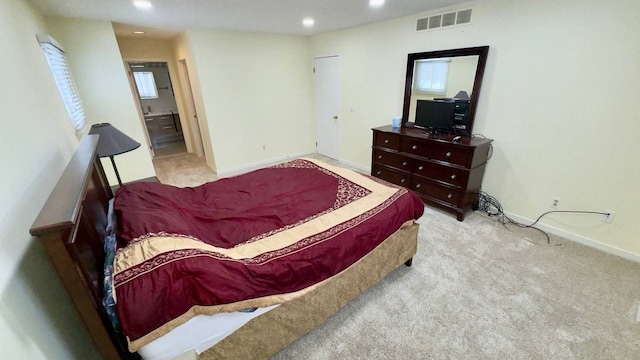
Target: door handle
<point>335,117</point>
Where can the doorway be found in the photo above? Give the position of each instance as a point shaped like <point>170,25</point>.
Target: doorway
<point>326,99</point>
<point>157,101</point>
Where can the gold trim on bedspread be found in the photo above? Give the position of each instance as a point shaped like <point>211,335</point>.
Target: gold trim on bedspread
<point>151,246</point>
<point>264,336</point>
<point>128,260</point>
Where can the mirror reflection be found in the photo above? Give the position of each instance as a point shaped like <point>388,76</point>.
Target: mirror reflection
<point>442,88</point>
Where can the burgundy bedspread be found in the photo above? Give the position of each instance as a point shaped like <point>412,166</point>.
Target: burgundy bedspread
<point>257,239</point>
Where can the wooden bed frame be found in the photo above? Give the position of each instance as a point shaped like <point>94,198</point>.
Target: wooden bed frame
<point>72,224</point>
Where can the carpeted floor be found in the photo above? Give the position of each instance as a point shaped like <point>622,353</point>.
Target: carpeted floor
<point>479,290</point>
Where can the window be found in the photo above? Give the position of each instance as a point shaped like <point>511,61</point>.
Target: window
<point>146,84</point>
<point>57,60</point>
<point>431,76</point>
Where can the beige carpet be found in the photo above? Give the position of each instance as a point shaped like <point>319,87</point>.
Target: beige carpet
<point>478,290</point>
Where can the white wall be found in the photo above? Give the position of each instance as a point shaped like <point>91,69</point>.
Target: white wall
<point>182,52</point>
<point>558,97</point>
<point>99,74</point>
<point>256,91</point>
<point>37,318</point>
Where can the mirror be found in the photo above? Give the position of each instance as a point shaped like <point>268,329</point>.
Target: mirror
<point>450,75</point>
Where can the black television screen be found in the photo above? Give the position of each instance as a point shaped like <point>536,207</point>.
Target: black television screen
<point>434,115</point>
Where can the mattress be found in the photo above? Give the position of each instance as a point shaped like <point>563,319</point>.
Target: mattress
<point>198,334</point>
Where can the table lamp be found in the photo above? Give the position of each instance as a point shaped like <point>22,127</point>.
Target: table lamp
<point>112,142</point>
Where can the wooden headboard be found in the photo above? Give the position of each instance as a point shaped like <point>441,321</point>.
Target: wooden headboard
<point>72,226</point>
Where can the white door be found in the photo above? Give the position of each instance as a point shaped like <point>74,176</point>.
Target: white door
<point>326,100</point>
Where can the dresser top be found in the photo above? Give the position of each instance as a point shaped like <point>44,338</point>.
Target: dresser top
<point>423,134</point>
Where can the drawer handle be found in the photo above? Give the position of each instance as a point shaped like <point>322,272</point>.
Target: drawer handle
<point>418,186</point>
<point>448,154</point>
<point>449,196</point>
<point>386,141</point>
<point>167,127</point>
<point>453,176</point>
<point>402,181</point>
<point>164,118</point>
<point>415,147</point>
<point>379,156</point>
<point>404,163</point>
<point>420,168</point>
<point>378,172</point>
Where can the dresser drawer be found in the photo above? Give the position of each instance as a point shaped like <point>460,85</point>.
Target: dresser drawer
<point>166,120</point>
<point>452,175</point>
<point>436,191</point>
<point>388,140</point>
<point>415,147</point>
<point>454,154</point>
<point>391,176</point>
<point>393,159</point>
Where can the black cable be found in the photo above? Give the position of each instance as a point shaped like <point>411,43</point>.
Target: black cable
<point>563,211</point>
<point>486,202</point>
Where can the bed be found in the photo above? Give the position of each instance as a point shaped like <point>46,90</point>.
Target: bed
<point>73,225</point>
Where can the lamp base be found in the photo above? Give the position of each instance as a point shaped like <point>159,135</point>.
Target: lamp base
<point>113,162</point>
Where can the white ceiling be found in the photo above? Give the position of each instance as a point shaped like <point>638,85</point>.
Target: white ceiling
<point>270,16</point>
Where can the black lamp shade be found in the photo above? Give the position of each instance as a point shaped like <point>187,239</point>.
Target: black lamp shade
<point>112,141</point>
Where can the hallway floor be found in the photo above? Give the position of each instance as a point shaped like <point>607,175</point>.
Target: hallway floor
<point>187,169</point>
<point>170,149</point>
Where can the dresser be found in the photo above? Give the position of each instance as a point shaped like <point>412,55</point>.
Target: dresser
<point>164,129</point>
<point>443,173</point>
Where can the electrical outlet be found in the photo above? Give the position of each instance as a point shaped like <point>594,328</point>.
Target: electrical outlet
<point>555,203</point>
<point>608,218</point>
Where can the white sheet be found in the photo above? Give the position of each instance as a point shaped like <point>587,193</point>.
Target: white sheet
<point>198,334</point>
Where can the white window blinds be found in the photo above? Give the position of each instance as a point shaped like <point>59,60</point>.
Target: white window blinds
<point>146,84</point>
<point>57,60</point>
<point>431,76</point>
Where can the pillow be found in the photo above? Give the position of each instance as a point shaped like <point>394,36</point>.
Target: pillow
<point>110,245</point>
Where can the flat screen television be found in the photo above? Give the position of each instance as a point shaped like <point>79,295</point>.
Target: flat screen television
<point>435,116</point>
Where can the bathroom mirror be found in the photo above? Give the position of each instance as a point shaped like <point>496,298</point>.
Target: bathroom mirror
<point>452,75</point>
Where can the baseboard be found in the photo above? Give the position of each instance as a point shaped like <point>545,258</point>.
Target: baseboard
<point>364,169</point>
<point>259,164</point>
<point>579,239</point>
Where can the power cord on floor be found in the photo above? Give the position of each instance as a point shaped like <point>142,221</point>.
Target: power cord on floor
<point>492,207</point>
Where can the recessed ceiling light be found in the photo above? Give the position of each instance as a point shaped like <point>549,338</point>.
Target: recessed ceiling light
<point>138,32</point>
<point>376,3</point>
<point>308,22</point>
<point>142,4</point>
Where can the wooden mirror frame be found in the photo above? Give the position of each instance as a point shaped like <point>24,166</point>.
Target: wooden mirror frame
<point>481,51</point>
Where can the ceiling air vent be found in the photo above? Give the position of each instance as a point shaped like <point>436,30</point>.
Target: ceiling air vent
<point>449,19</point>
<point>422,24</point>
<point>434,21</point>
<point>464,17</point>
<point>444,20</point>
